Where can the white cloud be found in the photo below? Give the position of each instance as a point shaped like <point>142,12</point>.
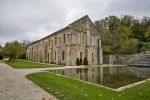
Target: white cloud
<point>35,19</point>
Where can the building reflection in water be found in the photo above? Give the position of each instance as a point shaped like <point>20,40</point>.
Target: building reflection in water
<point>96,74</point>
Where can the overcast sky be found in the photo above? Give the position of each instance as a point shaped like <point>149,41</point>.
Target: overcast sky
<point>35,19</point>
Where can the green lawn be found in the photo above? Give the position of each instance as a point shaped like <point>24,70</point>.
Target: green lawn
<point>66,88</point>
<point>25,64</point>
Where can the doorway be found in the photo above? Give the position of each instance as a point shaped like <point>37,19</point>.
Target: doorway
<point>80,58</point>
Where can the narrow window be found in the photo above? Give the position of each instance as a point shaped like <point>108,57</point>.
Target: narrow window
<point>90,25</point>
<point>60,40</point>
<point>49,43</point>
<point>92,56</point>
<point>79,37</point>
<point>80,55</point>
<point>63,55</point>
<point>55,55</point>
<point>93,39</point>
<point>81,58</point>
<point>52,43</point>
<point>55,40</point>
<point>82,23</point>
<point>64,38</point>
<point>45,44</point>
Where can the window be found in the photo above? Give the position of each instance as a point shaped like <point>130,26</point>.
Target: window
<point>93,39</point>
<point>63,55</point>
<point>55,55</point>
<point>79,37</point>
<point>82,23</point>
<point>81,58</point>
<point>92,56</point>
<point>90,25</point>
<point>49,43</point>
<point>80,55</point>
<point>55,40</point>
<point>64,38</point>
<point>52,43</point>
<point>40,46</point>
<point>45,44</point>
<point>60,40</point>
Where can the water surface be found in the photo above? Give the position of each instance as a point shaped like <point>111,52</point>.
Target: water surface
<point>113,76</point>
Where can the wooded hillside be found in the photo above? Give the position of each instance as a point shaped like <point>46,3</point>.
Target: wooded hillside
<point>124,35</point>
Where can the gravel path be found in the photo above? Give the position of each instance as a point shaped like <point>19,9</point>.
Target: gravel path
<point>15,86</point>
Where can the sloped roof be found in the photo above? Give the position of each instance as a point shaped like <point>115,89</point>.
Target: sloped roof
<point>86,16</point>
<point>63,29</point>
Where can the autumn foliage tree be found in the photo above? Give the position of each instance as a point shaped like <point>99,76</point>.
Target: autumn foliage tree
<point>13,50</point>
<point>147,34</point>
<point>124,35</point>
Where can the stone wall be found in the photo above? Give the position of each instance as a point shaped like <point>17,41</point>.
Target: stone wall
<point>125,59</point>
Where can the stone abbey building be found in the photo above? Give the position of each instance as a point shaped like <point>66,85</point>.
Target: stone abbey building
<point>79,39</point>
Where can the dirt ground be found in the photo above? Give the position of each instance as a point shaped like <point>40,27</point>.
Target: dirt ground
<point>15,86</point>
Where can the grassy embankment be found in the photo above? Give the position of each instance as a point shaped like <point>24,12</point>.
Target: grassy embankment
<point>66,88</point>
<point>25,64</point>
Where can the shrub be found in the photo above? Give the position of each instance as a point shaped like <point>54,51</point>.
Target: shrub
<point>1,57</point>
<point>78,62</point>
<point>22,56</point>
<point>85,61</point>
<point>144,45</point>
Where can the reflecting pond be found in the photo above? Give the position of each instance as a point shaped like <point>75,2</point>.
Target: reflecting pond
<point>113,76</point>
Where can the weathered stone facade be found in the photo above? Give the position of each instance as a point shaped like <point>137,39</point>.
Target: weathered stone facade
<point>125,59</point>
<point>79,39</point>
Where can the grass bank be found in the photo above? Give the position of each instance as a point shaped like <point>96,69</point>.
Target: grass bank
<point>25,64</point>
<point>66,88</point>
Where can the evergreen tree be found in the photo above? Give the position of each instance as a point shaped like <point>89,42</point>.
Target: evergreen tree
<point>85,61</point>
<point>1,57</point>
<point>78,62</point>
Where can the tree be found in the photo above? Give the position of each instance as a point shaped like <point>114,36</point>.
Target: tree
<point>78,62</point>
<point>144,45</point>
<point>118,33</point>
<point>126,20</point>
<point>85,61</point>
<point>13,50</point>
<point>147,34</point>
<point>108,29</point>
<point>137,31</point>
<point>26,43</point>
<point>1,57</point>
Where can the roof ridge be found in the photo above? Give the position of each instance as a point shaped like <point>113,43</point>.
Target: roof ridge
<point>79,19</point>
